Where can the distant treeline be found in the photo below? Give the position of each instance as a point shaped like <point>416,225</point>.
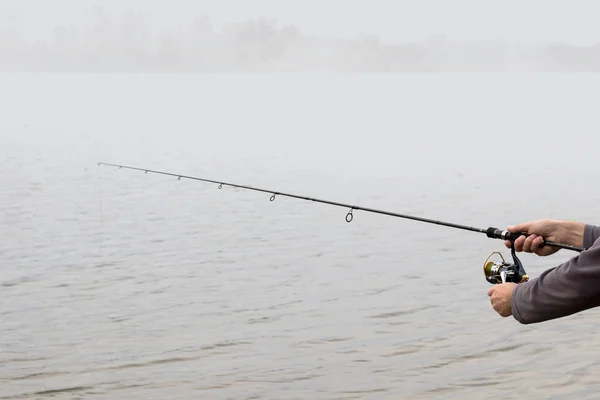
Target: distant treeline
<point>130,45</point>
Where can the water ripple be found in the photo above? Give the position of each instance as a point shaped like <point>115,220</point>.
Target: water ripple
<point>121,285</point>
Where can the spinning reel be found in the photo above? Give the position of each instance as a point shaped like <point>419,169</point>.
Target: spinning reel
<point>497,272</point>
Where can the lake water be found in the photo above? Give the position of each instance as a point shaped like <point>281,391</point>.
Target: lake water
<point>117,284</point>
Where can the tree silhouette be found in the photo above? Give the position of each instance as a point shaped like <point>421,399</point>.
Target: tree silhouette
<point>127,43</point>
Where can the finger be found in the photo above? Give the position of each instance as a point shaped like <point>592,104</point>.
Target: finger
<point>508,243</point>
<point>491,291</point>
<point>519,243</point>
<point>528,242</point>
<point>536,243</point>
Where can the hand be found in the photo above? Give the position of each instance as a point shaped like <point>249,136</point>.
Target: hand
<point>501,296</point>
<point>551,230</point>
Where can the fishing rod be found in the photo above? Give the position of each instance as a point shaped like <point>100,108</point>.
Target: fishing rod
<point>495,272</point>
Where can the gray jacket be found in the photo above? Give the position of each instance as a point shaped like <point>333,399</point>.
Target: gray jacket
<point>564,290</point>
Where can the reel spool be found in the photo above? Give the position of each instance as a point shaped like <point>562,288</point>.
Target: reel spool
<point>497,272</point>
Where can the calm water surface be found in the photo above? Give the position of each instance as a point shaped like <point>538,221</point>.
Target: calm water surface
<point>115,284</point>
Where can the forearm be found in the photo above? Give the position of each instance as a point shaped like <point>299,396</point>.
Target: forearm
<point>572,233</point>
<point>567,289</point>
<point>577,233</point>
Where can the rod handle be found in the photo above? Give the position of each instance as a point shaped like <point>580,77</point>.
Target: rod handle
<point>504,234</point>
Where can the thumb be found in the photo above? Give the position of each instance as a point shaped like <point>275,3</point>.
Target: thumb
<point>519,228</point>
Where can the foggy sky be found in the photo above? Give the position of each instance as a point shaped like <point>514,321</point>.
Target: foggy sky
<point>357,35</point>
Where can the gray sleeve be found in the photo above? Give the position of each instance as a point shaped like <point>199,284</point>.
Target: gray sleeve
<point>590,235</point>
<point>572,287</point>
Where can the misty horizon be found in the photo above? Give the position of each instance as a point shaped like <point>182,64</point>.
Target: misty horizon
<point>129,42</point>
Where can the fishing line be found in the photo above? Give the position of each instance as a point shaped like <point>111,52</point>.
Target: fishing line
<point>495,272</point>
<point>101,227</point>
